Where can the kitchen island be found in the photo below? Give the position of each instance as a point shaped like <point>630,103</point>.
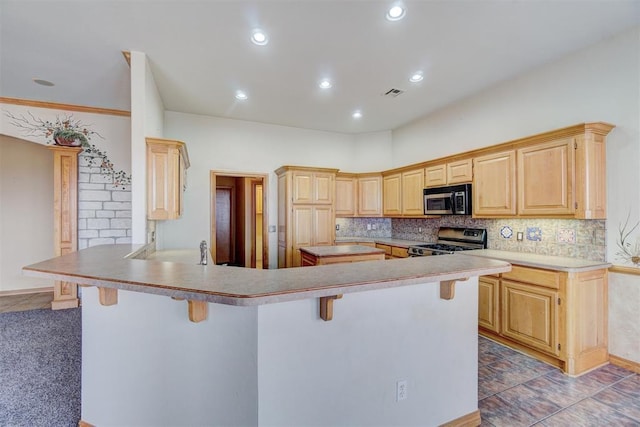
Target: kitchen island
<point>323,255</point>
<point>263,355</point>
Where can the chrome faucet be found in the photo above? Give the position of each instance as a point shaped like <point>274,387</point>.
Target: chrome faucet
<point>203,253</point>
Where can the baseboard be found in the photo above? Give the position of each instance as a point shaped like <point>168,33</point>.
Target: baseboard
<point>470,420</point>
<point>624,363</point>
<point>26,291</point>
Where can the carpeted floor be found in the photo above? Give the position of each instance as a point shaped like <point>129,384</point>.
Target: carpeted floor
<point>40,352</point>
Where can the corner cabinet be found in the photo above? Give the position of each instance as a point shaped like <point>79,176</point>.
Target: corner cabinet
<point>167,162</point>
<point>558,317</point>
<point>306,212</point>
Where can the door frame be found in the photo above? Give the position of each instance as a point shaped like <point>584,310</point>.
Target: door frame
<point>213,174</point>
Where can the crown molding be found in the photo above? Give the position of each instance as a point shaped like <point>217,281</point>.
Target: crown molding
<point>66,107</point>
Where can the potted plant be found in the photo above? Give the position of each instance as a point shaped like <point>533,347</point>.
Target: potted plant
<point>70,138</point>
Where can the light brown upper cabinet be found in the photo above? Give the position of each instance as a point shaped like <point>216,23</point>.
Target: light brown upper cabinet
<point>451,173</point>
<point>494,184</point>
<point>558,174</point>
<point>167,162</point>
<point>546,178</point>
<point>346,194</point>
<point>358,195</point>
<point>412,192</point>
<point>392,195</point>
<point>370,195</point>
<point>311,186</point>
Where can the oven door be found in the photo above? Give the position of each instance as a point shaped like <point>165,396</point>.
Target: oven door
<point>438,204</point>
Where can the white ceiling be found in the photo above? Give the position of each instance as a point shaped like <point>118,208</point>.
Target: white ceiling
<point>200,53</point>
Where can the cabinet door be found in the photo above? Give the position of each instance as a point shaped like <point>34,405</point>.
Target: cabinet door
<point>391,195</point>
<point>323,226</point>
<point>370,196</point>
<point>546,178</point>
<point>494,185</point>
<point>530,315</point>
<point>489,303</point>
<point>164,190</point>
<point>323,187</point>
<point>302,231</point>
<point>412,192</point>
<point>435,176</point>
<point>345,196</point>
<point>460,172</point>
<point>302,186</point>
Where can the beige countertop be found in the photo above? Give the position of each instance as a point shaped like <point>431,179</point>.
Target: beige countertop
<point>334,251</point>
<point>108,266</point>
<point>541,261</point>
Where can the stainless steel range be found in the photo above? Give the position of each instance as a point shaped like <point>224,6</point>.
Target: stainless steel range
<point>451,240</point>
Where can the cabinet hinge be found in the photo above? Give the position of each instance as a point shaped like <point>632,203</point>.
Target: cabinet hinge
<point>559,347</point>
<point>575,145</point>
<point>575,205</point>
<point>559,301</point>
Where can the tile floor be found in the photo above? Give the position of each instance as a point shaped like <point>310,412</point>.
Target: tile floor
<point>25,302</point>
<point>517,390</point>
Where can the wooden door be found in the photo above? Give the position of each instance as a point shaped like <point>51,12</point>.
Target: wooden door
<point>488,303</point>
<point>494,185</point>
<point>224,226</point>
<point>345,196</point>
<point>370,196</point>
<point>392,195</point>
<point>546,178</point>
<point>530,315</point>
<point>412,192</point>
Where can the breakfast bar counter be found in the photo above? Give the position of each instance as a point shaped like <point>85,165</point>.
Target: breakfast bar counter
<point>262,348</point>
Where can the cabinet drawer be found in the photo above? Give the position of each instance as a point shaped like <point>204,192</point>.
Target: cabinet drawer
<point>536,276</point>
<point>399,252</point>
<point>387,248</point>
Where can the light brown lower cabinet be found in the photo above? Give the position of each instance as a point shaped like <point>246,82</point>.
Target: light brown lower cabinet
<point>555,316</point>
<point>393,252</point>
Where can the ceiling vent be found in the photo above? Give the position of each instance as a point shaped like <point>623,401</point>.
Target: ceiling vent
<point>393,92</point>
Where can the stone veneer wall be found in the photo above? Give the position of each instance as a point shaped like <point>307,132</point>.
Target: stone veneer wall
<point>104,211</point>
<point>561,237</point>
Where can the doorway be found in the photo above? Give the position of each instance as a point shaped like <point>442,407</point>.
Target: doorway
<point>238,219</point>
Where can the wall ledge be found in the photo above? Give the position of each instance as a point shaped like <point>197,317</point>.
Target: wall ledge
<point>624,270</point>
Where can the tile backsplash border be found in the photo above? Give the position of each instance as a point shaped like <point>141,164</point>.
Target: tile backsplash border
<point>572,238</point>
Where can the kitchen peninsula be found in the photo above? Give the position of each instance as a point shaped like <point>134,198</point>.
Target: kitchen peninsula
<point>263,356</point>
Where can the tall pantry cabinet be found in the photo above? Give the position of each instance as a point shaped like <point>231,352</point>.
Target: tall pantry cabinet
<point>306,214</point>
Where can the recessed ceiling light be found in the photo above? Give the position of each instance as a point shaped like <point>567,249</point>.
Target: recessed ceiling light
<point>259,37</point>
<point>241,95</point>
<point>416,77</point>
<point>396,13</point>
<point>43,82</point>
<point>325,84</point>
<point>357,114</point>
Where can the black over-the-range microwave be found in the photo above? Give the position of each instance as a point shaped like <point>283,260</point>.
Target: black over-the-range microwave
<point>450,200</point>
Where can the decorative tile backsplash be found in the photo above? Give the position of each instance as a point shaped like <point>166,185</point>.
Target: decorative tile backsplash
<point>573,238</point>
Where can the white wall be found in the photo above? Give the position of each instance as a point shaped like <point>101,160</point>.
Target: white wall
<point>26,211</point>
<point>234,145</point>
<point>147,120</point>
<point>373,152</point>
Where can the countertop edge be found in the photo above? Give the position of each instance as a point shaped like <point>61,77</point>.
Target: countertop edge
<point>131,275</point>
<point>517,260</point>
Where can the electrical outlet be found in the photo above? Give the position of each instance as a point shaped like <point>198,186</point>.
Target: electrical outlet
<point>519,236</point>
<point>419,229</point>
<point>368,226</point>
<point>337,227</point>
<point>401,390</point>
<point>374,226</point>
